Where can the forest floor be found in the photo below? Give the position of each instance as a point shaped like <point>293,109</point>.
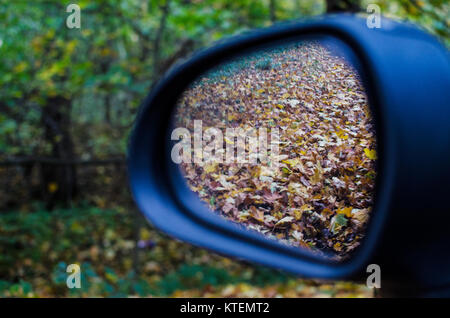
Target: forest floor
<point>292,289</point>
<point>37,245</point>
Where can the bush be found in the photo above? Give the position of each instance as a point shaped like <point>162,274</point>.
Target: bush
<point>36,247</point>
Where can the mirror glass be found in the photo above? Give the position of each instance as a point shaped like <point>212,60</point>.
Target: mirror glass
<point>281,141</point>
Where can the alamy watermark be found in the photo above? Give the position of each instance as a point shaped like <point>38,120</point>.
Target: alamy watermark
<point>373,21</point>
<point>235,145</point>
<point>73,20</point>
<point>74,279</point>
<point>374,279</point>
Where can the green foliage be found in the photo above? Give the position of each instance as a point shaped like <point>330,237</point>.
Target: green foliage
<point>199,276</point>
<point>110,284</point>
<point>432,15</point>
<point>31,242</point>
<point>20,289</point>
<point>107,67</point>
<point>37,246</point>
<point>103,71</point>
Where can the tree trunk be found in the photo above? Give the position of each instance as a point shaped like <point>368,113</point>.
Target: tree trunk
<point>58,182</point>
<point>159,36</point>
<point>272,9</point>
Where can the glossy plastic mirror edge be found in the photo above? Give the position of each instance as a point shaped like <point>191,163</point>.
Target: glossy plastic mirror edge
<point>197,65</point>
<point>149,177</point>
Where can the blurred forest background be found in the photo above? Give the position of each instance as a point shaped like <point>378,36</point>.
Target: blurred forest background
<point>68,98</point>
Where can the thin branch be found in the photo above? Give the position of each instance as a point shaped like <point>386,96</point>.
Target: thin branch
<point>272,9</point>
<point>159,35</point>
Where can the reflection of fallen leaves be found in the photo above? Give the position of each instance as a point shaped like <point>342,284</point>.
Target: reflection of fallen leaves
<point>271,197</point>
<point>345,211</point>
<point>284,221</point>
<point>337,222</point>
<point>257,214</point>
<point>371,154</point>
<point>319,196</point>
<point>338,183</point>
<point>211,167</point>
<point>361,215</point>
<point>228,207</point>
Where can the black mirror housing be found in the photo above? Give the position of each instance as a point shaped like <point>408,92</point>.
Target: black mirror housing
<point>407,76</point>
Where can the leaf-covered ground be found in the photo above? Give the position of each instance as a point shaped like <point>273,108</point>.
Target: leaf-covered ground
<point>292,289</point>
<point>320,195</point>
<point>37,245</point>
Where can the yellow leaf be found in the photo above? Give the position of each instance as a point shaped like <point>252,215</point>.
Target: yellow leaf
<point>19,68</point>
<point>346,211</point>
<point>306,207</point>
<point>71,46</point>
<point>52,187</point>
<point>292,162</point>
<point>371,154</point>
<point>208,168</point>
<point>257,214</point>
<point>341,134</point>
<point>298,214</point>
<point>326,212</point>
<point>86,32</point>
<point>231,117</point>
<point>76,227</point>
<point>144,234</point>
<point>228,141</point>
<point>337,246</point>
<point>314,179</point>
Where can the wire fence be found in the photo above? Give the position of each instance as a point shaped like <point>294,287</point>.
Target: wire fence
<point>98,181</point>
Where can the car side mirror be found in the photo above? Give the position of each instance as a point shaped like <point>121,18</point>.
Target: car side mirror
<point>317,148</point>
